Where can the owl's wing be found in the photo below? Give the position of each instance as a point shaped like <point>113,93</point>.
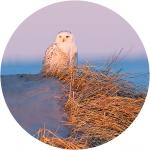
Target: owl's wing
<point>73,55</point>
<point>48,58</point>
<point>50,49</point>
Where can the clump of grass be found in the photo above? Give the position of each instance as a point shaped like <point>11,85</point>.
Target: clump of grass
<point>52,139</point>
<point>100,106</point>
<point>103,118</point>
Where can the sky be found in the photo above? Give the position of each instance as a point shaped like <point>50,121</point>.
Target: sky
<point>99,34</point>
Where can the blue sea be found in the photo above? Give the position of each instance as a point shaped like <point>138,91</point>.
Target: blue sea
<point>137,70</point>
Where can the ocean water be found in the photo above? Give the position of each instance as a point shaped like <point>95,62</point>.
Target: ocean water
<point>21,68</point>
<point>137,70</point>
<point>34,102</point>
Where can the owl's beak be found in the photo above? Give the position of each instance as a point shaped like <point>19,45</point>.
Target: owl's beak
<point>63,40</point>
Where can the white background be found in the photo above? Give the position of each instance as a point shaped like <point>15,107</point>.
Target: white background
<point>13,12</point>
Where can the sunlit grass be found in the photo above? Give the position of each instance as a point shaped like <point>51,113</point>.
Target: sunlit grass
<point>100,106</point>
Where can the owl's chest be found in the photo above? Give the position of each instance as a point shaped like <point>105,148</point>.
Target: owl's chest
<point>65,48</point>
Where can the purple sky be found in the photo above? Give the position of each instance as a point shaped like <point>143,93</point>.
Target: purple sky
<point>99,33</point>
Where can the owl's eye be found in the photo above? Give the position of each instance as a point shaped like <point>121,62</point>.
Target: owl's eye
<point>60,36</point>
<point>67,36</point>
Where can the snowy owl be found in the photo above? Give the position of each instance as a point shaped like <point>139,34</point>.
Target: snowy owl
<point>61,54</point>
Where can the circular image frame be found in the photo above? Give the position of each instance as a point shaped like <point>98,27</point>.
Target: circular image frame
<point>29,78</point>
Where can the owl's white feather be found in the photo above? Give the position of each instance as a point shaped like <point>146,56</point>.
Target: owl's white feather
<point>61,54</point>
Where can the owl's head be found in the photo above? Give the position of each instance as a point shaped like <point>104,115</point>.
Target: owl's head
<point>64,37</point>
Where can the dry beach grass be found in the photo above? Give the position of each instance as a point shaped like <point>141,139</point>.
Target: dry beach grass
<point>100,106</point>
